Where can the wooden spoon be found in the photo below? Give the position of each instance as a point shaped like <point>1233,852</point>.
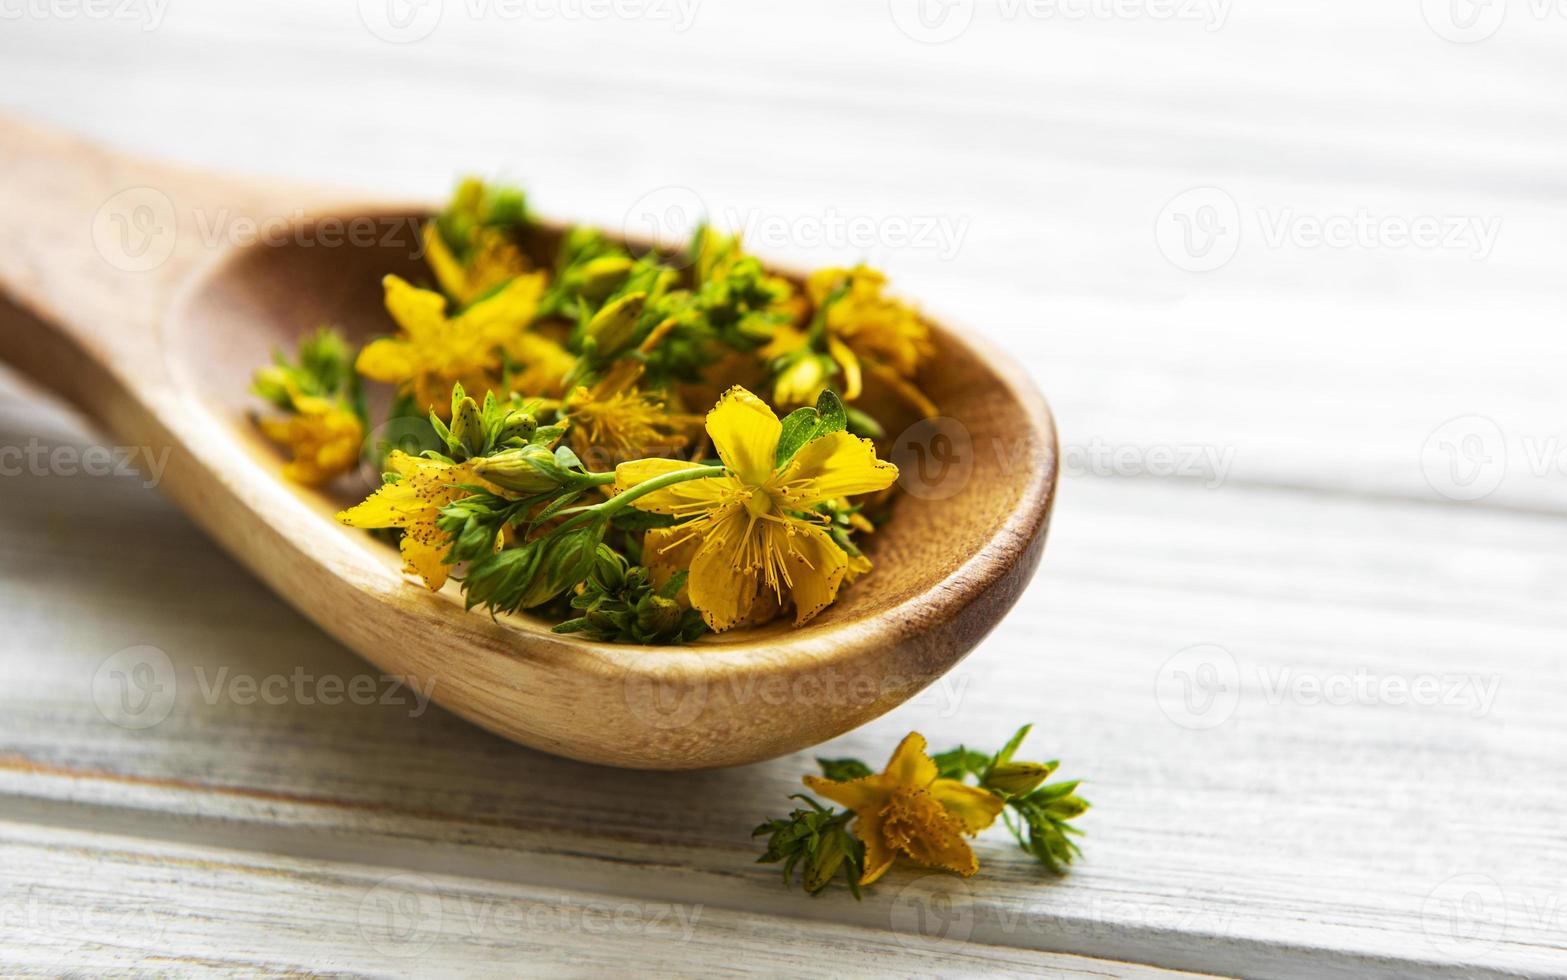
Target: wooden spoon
<point>145,296</point>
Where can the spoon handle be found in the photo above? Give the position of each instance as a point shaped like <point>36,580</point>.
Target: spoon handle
<point>96,246</point>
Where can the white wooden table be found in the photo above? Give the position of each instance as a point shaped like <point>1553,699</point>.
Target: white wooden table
<point>1300,623</point>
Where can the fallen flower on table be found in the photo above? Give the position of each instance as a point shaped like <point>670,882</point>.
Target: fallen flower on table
<point>922,807</point>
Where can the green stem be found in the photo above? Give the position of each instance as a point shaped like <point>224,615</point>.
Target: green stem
<point>620,502</point>
<point>817,331</point>
<point>615,504</point>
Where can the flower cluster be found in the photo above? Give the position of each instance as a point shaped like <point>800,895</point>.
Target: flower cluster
<point>641,447</point>
<point>922,808</point>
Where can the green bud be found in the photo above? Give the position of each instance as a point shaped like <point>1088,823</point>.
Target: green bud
<point>659,616</point>
<point>271,383</point>
<point>508,208</point>
<point>610,569</point>
<point>326,359</point>
<point>518,425</point>
<point>1018,778</point>
<point>613,326</point>
<point>468,199</point>
<point>529,469</point>
<point>500,580</point>
<point>1067,807</point>
<point>475,540</point>
<point>604,275</point>
<point>711,247</point>
<point>565,559</point>
<point>468,426</point>
<point>825,861</point>
<point>803,380</point>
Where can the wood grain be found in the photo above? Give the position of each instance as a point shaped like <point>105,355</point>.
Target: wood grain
<point>162,358</point>
<point>1295,839</point>
<point>251,915</point>
<point>1329,858</point>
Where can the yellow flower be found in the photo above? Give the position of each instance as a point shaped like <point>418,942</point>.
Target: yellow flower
<point>667,551</point>
<point>874,325</point>
<point>323,438</point>
<point>492,260</point>
<point>868,330</point>
<point>908,809</point>
<point>754,524</point>
<point>413,503</point>
<point>434,351</point>
<point>615,420</point>
<point>542,366</point>
<point>858,564</point>
<point>802,381</point>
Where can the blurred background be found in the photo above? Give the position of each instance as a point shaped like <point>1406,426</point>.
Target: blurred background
<point>1026,166</point>
<point>1288,272</point>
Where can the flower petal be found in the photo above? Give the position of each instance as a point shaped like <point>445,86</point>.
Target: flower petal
<point>388,360</point>
<point>393,505</point>
<point>816,568</point>
<point>866,794</point>
<point>423,558</point>
<point>721,587</point>
<point>838,465</point>
<point>502,315</point>
<point>682,499</point>
<point>669,548</point>
<point>905,389</point>
<point>667,551</point>
<point>406,464</point>
<point>448,271</point>
<point>822,282</point>
<point>971,806</point>
<point>909,765</point>
<point>942,847</point>
<point>878,853</point>
<point>545,365</point>
<point>419,312</point>
<point>307,472</point>
<point>278,430</point>
<point>849,363</point>
<point>745,432</point>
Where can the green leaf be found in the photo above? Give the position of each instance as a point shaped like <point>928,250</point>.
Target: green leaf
<point>1005,755</point>
<point>555,506</point>
<point>835,418</point>
<point>818,842</point>
<point>798,427</point>
<point>619,604</point>
<point>960,762</point>
<point>1042,828</point>
<point>843,770</point>
<point>862,424</point>
<point>500,580</point>
<point>806,424</point>
<point>632,519</point>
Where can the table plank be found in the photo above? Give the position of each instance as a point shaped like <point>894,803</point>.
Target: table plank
<point>1292,838</point>
<point>1265,486</point>
<point>78,902</point>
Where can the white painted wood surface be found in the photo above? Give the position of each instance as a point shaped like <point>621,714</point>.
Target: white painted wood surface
<point>1309,541</point>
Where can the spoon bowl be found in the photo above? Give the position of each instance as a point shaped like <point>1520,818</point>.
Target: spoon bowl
<point>147,296</point>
